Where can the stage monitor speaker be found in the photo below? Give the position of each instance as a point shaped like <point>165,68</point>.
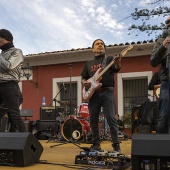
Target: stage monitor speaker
<point>147,146</point>
<point>19,149</point>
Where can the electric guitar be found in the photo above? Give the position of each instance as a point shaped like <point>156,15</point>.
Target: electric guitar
<point>95,80</point>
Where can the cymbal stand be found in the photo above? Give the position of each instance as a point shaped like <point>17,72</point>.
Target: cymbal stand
<point>66,111</point>
<point>103,132</point>
<point>56,96</point>
<point>70,65</point>
<point>71,140</point>
<point>55,111</point>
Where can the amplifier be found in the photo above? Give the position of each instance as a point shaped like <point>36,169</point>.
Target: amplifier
<point>51,127</point>
<point>50,113</point>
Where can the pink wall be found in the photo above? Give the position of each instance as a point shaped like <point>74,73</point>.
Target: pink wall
<point>45,74</point>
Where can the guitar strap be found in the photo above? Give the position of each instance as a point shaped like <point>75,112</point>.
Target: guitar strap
<point>104,62</point>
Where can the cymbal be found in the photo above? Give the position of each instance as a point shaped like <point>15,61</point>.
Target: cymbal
<point>66,103</point>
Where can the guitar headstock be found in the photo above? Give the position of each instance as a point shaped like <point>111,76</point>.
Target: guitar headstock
<point>126,50</point>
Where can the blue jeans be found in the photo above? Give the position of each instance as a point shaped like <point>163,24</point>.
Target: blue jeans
<point>164,108</point>
<point>11,98</point>
<point>106,100</point>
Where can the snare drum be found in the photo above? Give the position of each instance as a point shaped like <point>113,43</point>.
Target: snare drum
<point>84,110</point>
<point>74,128</point>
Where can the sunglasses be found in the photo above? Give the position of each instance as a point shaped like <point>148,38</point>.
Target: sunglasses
<point>167,21</point>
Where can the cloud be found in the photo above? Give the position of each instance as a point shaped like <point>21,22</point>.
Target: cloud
<point>44,26</point>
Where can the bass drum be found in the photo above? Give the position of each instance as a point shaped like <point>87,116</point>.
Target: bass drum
<point>74,128</point>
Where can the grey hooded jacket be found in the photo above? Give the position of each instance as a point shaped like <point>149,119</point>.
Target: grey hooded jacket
<point>10,64</point>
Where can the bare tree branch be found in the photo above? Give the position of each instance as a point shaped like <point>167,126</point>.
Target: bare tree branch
<point>146,14</point>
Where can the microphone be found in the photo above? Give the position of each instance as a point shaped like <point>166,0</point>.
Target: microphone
<point>64,87</point>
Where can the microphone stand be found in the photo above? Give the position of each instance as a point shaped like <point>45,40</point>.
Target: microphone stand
<point>70,65</point>
<point>55,97</point>
<point>70,140</point>
<point>55,112</point>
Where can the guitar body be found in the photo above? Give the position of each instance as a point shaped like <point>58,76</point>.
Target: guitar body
<point>93,87</point>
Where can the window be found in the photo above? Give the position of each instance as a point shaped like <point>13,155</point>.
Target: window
<point>69,95</point>
<point>135,92</point>
<point>147,75</point>
<point>76,91</point>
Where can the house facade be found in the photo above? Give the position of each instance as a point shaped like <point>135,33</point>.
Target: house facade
<point>52,69</point>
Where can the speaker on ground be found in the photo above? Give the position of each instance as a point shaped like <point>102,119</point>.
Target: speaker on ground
<point>19,149</point>
<point>51,127</point>
<point>150,150</point>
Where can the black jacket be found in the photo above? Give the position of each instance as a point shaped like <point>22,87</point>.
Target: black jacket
<point>155,80</point>
<point>159,56</point>
<point>93,65</point>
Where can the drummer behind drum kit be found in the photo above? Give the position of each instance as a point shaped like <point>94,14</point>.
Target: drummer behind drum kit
<point>73,127</point>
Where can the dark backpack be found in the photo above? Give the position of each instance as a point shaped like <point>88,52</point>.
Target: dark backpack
<point>146,112</point>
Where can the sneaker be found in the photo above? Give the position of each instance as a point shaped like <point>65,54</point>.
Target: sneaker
<point>116,147</point>
<point>95,147</point>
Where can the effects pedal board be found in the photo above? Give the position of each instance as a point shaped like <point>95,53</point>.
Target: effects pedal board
<point>103,158</point>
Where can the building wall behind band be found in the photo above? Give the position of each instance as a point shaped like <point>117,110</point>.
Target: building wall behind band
<point>44,75</point>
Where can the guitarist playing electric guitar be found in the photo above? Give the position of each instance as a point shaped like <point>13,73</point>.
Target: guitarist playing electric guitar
<point>102,93</point>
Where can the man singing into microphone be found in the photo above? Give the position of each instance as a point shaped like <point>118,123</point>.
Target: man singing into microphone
<point>160,57</point>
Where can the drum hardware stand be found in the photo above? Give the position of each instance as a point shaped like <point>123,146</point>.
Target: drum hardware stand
<point>71,140</point>
<point>66,111</point>
<point>55,108</point>
<point>58,135</point>
<point>75,112</point>
<point>103,136</point>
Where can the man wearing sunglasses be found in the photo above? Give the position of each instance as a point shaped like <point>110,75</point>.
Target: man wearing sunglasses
<point>160,56</point>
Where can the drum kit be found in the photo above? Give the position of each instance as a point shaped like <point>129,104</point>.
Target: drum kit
<point>75,127</point>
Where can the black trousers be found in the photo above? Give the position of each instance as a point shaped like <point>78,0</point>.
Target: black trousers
<point>10,100</point>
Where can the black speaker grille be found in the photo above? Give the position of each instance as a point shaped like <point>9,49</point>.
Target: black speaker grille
<point>50,113</point>
<point>51,127</point>
<point>19,149</point>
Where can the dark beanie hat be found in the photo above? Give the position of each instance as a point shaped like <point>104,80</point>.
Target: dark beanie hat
<point>6,35</point>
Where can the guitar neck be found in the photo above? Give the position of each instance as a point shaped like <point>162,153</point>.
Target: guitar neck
<point>103,71</point>
<point>123,53</point>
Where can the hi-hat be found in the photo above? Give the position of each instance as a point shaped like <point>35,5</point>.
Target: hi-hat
<point>66,103</point>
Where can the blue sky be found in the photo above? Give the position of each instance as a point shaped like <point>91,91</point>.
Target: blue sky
<point>54,25</point>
